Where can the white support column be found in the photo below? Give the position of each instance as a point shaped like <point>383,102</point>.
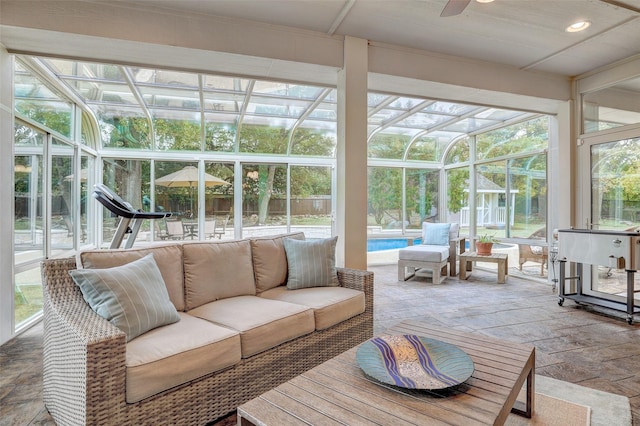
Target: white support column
<point>6,194</point>
<point>351,200</point>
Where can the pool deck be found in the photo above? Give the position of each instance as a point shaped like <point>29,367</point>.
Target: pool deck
<point>388,257</point>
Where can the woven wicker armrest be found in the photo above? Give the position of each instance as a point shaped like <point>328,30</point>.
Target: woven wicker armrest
<point>84,354</point>
<point>358,279</point>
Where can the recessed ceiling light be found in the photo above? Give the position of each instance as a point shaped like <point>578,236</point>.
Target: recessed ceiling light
<point>485,1</point>
<point>578,26</point>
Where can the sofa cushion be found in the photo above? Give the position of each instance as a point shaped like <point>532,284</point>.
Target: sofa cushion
<point>311,263</point>
<point>174,354</point>
<point>168,257</point>
<point>270,260</point>
<point>424,253</point>
<point>435,233</point>
<point>217,270</point>
<point>133,297</point>
<point>330,305</point>
<point>262,323</point>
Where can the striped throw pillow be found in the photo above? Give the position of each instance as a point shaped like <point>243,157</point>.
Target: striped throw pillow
<point>311,263</point>
<point>133,297</point>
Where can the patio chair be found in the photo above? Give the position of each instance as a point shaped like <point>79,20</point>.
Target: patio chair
<point>219,232</point>
<point>439,248</point>
<point>534,253</point>
<point>175,230</point>
<point>161,229</point>
<point>209,228</point>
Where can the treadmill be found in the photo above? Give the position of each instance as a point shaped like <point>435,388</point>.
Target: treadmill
<point>127,214</point>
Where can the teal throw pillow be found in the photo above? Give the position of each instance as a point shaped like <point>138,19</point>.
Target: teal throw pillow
<point>133,297</point>
<point>311,263</point>
<point>436,234</point>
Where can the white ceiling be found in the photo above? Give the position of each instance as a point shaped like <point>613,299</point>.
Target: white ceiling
<point>525,34</point>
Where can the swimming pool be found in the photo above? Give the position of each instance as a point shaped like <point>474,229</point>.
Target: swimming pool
<point>378,244</point>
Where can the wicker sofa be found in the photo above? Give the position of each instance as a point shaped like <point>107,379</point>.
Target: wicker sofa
<point>90,370</point>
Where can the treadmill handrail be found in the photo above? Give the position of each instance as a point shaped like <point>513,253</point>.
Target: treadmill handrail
<point>119,207</point>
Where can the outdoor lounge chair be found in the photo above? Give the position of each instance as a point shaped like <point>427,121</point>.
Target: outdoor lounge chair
<point>534,253</point>
<point>433,254</point>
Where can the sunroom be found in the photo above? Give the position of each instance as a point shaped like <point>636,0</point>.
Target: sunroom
<point>486,147</point>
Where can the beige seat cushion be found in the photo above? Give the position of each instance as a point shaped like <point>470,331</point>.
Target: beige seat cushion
<point>167,256</point>
<point>177,353</point>
<point>424,253</point>
<point>270,260</point>
<point>217,270</point>
<point>330,305</point>
<point>262,323</point>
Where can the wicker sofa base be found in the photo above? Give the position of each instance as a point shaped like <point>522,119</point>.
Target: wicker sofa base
<point>84,358</point>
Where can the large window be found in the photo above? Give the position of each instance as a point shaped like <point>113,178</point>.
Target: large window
<point>232,157</point>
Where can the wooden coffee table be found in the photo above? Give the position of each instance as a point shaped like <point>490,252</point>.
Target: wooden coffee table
<point>467,258</point>
<point>337,391</point>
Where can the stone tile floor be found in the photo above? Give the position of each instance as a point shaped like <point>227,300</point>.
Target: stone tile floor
<point>592,347</point>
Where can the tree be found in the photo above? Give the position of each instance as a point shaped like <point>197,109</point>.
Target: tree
<point>457,182</point>
<point>271,179</point>
<point>385,191</point>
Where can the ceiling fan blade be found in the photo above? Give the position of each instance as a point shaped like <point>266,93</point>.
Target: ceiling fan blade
<point>454,7</point>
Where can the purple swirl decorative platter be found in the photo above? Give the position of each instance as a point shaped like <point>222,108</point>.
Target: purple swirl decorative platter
<point>414,362</point>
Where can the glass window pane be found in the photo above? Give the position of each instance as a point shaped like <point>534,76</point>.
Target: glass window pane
<point>62,198</point>
<point>87,222</point>
<point>611,107</point>
<point>264,202</point>
<point>615,183</point>
<point>388,145</point>
<point>425,149</point>
<point>263,139</point>
<point>458,197</point>
<point>529,191</point>
<point>29,207</point>
<point>385,197</point>
<point>529,136</point>
<point>165,77</point>
<point>130,179</point>
<point>319,142</point>
<point>170,98</point>
<point>34,99</point>
<point>219,202</point>
<point>123,128</point>
<point>421,197</point>
<point>290,90</point>
<point>491,199</point>
<point>27,294</point>
<point>177,131</point>
<point>311,201</point>
<point>458,153</point>
<point>87,70</point>
<point>219,136</point>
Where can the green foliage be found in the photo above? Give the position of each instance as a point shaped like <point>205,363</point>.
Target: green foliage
<point>126,132</point>
<point>458,153</point>
<point>48,114</point>
<point>311,142</point>
<point>457,182</point>
<point>425,149</point>
<point>518,138</point>
<point>219,138</point>
<point>388,145</point>
<point>486,238</point>
<point>182,135</point>
<point>263,139</point>
<point>385,191</point>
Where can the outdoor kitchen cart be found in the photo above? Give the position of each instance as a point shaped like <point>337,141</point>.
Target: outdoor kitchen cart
<point>605,254</point>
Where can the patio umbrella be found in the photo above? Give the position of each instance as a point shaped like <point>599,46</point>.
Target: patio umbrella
<point>188,177</point>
